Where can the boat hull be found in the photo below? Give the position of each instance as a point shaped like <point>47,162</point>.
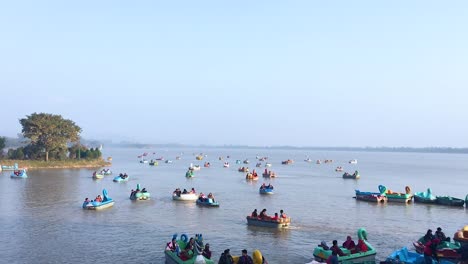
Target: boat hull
<point>267,223</point>
<point>422,199</point>
<point>399,198</point>
<point>101,206</point>
<point>449,201</point>
<point>185,197</point>
<point>266,191</point>
<point>208,204</point>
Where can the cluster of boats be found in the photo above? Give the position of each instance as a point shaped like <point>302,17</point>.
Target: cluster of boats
<point>386,195</point>
<point>192,196</point>
<point>104,201</point>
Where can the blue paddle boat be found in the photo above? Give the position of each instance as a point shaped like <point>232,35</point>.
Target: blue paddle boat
<point>99,205</point>
<point>208,202</point>
<point>9,168</point>
<point>139,194</point>
<point>121,178</point>
<point>19,174</point>
<point>266,189</point>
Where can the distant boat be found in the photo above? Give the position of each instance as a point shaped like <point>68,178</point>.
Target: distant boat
<point>353,161</point>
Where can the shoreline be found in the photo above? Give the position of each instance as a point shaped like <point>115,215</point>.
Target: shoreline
<point>56,164</point>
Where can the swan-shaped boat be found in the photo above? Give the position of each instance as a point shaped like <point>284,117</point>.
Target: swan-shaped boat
<point>19,174</point>
<point>95,205</point>
<point>140,194</point>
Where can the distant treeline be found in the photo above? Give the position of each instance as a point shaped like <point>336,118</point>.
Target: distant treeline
<point>366,149</point>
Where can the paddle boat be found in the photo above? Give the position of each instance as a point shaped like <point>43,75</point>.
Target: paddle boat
<point>106,172</point>
<point>287,162</point>
<point>194,167</point>
<point>398,197</point>
<point>268,174</point>
<point>404,256</point>
<point>425,197</point>
<point>370,196</point>
<point>243,169</point>
<point>189,174</point>
<point>177,158</point>
<point>280,223</point>
<point>246,161</point>
<point>266,189</point>
<point>308,160</point>
<point>199,157</point>
<point>339,168</point>
<point>444,250</point>
<point>238,161</point>
<point>139,194</point>
<point>353,161</point>
<point>251,176</point>
<point>206,165</point>
<point>19,174</point>
<point>321,254</point>
<point>143,161</point>
<point>9,168</point>
<point>450,201</point>
<point>168,161</point>
<point>160,158</point>
<point>226,165</point>
<point>263,159</point>
<point>258,165</point>
<point>207,201</point>
<point>176,254</point>
<point>153,163</point>
<point>177,195</point>
<point>97,175</point>
<point>354,176</point>
<point>461,235</point>
<point>99,205</point>
<point>121,178</point>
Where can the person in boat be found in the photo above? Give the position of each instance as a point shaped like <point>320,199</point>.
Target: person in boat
<point>266,172</point>
<point>263,186</point>
<point>132,193</point>
<point>428,236</point>
<point>226,258</point>
<point>184,191</point>
<point>349,243</point>
<point>86,200</point>
<point>121,175</point>
<point>275,218</point>
<point>211,196</point>
<point>254,213</point>
<point>282,214</point>
<point>94,173</point>
<point>430,250</point>
<point>270,186</point>
<point>144,190</point>
<point>187,253</point>
<point>337,249</point>
<point>263,215</point>
<point>324,245</point>
<point>361,246</point>
<point>206,251</point>
<point>193,190</point>
<point>441,236</point>
<point>98,198</point>
<point>333,258</point>
<point>201,197</point>
<point>172,245</point>
<point>245,259</point>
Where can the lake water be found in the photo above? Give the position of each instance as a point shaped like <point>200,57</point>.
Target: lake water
<point>42,220</point>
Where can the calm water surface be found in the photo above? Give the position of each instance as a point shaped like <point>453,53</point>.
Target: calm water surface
<point>42,220</point>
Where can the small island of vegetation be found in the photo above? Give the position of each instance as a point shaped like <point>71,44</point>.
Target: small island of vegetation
<point>51,142</point>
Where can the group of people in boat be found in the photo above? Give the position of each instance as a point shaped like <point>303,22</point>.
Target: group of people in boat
<point>203,198</point>
<point>97,199</point>
<point>252,174</point>
<point>264,186</point>
<point>193,245</point>
<point>18,172</point>
<point>207,165</point>
<point>263,215</point>
<point>123,176</point>
<point>346,174</point>
<point>134,192</point>
<point>178,192</point>
<point>269,173</point>
<point>244,169</point>
<point>349,244</point>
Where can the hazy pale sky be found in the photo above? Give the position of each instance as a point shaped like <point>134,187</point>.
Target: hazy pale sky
<point>303,73</point>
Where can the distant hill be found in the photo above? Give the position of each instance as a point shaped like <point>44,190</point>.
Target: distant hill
<point>365,149</point>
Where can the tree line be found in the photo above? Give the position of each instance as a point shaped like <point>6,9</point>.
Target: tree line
<point>51,137</point>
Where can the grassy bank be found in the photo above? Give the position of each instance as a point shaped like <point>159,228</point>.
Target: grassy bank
<point>57,164</point>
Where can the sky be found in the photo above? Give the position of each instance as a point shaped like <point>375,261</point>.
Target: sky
<point>260,73</point>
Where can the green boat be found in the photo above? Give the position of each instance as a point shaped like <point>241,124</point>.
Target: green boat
<point>189,174</point>
<point>425,197</point>
<point>396,196</point>
<point>194,256</point>
<point>321,255</point>
<point>450,201</point>
<point>139,194</point>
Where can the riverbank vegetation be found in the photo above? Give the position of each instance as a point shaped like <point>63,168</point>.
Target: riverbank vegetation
<point>51,142</point>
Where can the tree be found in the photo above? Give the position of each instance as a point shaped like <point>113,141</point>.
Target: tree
<point>2,145</point>
<point>49,132</point>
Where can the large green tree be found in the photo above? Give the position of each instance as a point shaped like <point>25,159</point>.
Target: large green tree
<point>50,132</point>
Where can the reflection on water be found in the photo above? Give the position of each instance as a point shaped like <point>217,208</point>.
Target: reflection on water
<point>47,206</point>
